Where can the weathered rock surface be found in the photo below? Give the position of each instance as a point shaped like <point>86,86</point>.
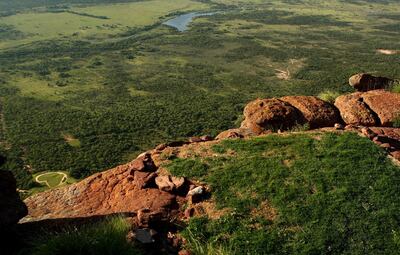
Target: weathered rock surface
<point>12,209</point>
<point>354,111</point>
<point>315,111</point>
<point>366,82</point>
<point>372,108</point>
<point>270,114</point>
<point>119,190</point>
<point>385,104</point>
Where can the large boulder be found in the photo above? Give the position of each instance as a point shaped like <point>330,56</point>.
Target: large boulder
<point>125,189</point>
<point>315,111</point>
<point>372,108</point>
<point>385,104</point>
<point>354,111</point>
<point>270,114</point>
<point>12,209</point>
<point>366,82</point>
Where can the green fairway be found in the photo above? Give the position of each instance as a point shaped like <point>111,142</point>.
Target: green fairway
<point>53,179</point>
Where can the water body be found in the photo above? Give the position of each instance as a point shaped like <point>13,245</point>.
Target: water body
<point>182,22</point>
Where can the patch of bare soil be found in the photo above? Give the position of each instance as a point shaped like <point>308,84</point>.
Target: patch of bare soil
<point>208,208</point>
<point>387,52</point>
<point>266,211</point>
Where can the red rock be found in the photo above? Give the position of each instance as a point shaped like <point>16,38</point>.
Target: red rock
<point>143,179</point>
<point>235,133</point>
<point>143,163</point>
<point>206,138</point>
<point>164,183</point>
<point>184,252</point>
<point>109,192</point>
<point>385,104</point>
<point>195,139</point>
<point>367,132</point>
<point>270,114</point>
<point>366,82</point>
<point>189,212</point>
<point>396,155</point>
<point>178,181</point>
<point>161,147</point>
<point>315,111</point>
<point>354,111</point>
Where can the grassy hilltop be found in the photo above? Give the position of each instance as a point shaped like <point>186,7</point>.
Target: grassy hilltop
<point>299,193</point>
<point>86,85</point>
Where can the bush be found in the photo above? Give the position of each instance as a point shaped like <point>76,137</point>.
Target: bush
<point>396,88</point>
<point>329,96</point>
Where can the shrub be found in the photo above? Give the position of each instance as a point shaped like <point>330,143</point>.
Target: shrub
<point>329,96</point>
<point>396,88</point>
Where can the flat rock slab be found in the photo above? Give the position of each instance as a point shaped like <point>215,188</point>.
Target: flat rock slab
<point>114,191</point>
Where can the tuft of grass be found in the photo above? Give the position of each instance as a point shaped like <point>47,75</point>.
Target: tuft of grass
<point>329,96</point>
<point>300,127</point>
<point>396,88</point>
<point>197,247</point>
<point>396,122</point>
<point>329,193</point>
<point>105,238</point>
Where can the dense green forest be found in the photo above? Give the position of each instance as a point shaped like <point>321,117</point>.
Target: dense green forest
<point>93,98</point>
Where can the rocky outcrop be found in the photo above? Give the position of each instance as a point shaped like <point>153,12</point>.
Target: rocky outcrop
<point>365,82</point>
<point>125,189</point>
<point>385,137</point>
<point>286,112</point>
<point>372,108</point>
<point>12,209</point>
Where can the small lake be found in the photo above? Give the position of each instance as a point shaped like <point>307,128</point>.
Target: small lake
<point>182,22</point>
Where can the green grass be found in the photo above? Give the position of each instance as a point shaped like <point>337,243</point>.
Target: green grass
<point>121,17</point>
<point>104,238</point>
<point>330,194</point>
<point>122,88</point>
<point>329,96</point>
<point>49,180</point>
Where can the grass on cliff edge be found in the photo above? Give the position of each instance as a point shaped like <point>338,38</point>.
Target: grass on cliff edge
<point>104,238</point>
<point>297,194</point>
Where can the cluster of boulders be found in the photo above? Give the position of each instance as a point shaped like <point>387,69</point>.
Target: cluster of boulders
<point>372,108</point>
